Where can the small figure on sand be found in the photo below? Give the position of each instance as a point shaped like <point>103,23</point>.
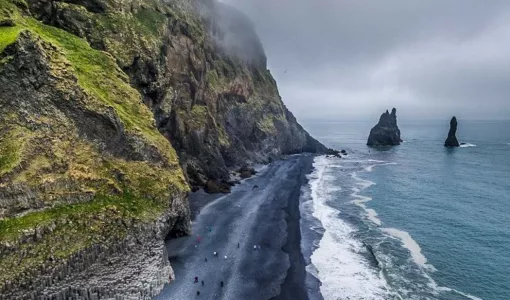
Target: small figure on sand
<point>221,284</point>
<point>206,259</point>
<point>198,293</point>
<point>196,279</point>
<point>238,245</point>
<point>255,187</point>
<point>202,283</point>
<point>215,254</point>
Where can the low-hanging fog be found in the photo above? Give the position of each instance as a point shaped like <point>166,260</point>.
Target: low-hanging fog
<point>354,59</point>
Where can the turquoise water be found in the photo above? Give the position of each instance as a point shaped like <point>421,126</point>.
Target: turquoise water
<point>437,220</point>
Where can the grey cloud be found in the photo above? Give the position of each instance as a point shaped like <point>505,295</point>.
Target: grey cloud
<point>354,58</point>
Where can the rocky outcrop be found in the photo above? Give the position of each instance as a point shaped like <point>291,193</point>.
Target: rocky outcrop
<point>451,140</point>
<point>108,109</point>
<point>386,132</point>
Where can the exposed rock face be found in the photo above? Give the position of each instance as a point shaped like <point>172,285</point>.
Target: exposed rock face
<point>106,108</point>
<point>451,140</point>
<point>386,132</point>
<point>202,74</point>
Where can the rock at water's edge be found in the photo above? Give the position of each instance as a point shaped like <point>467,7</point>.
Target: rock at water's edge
<point>386,132</point>
<point>451,140</point>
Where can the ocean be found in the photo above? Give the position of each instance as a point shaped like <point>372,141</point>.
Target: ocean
<point>416,221</point>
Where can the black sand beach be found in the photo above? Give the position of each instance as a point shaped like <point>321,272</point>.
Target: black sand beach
<point>263,216</point>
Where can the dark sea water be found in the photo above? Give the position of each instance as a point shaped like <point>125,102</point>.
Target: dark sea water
<point>416,221</point>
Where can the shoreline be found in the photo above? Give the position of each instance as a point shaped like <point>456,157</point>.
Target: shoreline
<point>231,224</point>
<point>294,285</point>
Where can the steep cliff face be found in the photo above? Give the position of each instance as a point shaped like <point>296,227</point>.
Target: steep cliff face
<point>202,71</point>
<point>85,176</point>
<point>106,108</point>
<point>386,132</point>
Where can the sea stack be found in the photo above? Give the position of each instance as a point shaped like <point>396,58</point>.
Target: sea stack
<point>386,132</point>
<point>451,140</point>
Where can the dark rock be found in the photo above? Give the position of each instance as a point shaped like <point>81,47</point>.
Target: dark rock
<point>246,172</point>
<point>217,187</point>
<point>343,152</point>
<point>245,175</point>
<point>386,132</point>
<point>451,140</point>
<point>7,23</point>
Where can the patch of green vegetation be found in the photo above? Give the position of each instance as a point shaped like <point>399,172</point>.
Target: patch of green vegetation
<point>267,125</point>
<point>198,116</point>
<point>223,137</point>
<point>8,35</point>
<point>11,145</point>
<point>70,228</point>
<point>212,79</point>
<point>151,20</point>
<point>126,204</point>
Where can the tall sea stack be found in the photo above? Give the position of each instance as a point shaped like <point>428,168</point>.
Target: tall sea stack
<point>386,132</point>
<point>451,140</point>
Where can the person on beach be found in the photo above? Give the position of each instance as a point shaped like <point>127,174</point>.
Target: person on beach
<point>238,245</point>
<point>206,259</point>
<point>202,283</point>
<point>215,254</point>
<point>221,284</point>
<point>196,279</point>
<point>198,293</point>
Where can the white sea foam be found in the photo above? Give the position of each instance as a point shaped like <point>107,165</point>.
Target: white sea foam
<point>411,245</point>
<point>466,145</point>
<point>360,200</point>
<point>344,273</point>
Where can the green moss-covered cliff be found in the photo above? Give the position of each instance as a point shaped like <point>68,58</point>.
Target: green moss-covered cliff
<point>109,110</point>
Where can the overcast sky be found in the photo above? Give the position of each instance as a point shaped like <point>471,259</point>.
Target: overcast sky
<point>355,58</point>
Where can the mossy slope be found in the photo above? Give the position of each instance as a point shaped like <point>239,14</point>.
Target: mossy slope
<point>81,160</point>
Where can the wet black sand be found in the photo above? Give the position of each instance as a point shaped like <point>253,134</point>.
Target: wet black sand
<point>267,216</point>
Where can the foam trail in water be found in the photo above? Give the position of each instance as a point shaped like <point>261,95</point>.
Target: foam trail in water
<point>466,145</point>
<point>344,273</point>
<point>410,244</point>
